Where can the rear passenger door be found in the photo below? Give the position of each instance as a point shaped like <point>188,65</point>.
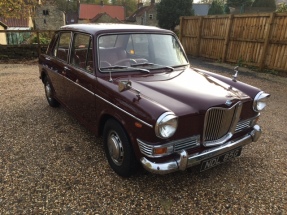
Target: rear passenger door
<point>59,65</point>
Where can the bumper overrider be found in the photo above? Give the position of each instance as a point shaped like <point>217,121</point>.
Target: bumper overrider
<point>185,160</point>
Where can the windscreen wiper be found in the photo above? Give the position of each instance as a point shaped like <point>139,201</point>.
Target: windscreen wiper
<point>125,67</point>
<point>152,64</point>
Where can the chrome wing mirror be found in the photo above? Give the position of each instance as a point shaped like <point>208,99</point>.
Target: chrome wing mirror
<point>127,85</point>
<point>124,85</point>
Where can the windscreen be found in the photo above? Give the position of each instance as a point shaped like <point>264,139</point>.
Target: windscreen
<point>149,50</point>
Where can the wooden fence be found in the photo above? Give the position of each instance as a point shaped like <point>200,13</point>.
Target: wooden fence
<point>254,39</point>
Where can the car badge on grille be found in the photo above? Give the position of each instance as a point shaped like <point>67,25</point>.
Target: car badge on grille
<point>228,102</point>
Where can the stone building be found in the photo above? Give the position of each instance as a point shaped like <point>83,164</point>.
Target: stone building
<point>48,17</point>
<point>144,15</point>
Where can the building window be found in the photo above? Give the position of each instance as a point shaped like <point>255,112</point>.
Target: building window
<point>45,12</point>
<point>150,16</point>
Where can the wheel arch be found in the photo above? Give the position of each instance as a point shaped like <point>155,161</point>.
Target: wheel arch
<point>43,75</point>
<point>105,117</point>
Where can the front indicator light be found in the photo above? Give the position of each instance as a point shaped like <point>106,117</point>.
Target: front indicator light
<point>160,151</point>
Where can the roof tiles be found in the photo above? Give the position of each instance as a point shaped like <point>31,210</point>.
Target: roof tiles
<point>89,11</point>
<point>15,22</point>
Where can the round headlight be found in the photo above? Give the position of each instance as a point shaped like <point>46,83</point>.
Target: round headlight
<point>166,125</point>
<point>260,101</point>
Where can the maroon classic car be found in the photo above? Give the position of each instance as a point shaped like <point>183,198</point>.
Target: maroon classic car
<point>134,86</point>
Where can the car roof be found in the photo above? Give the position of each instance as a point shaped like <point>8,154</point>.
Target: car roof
<point>96,28</point>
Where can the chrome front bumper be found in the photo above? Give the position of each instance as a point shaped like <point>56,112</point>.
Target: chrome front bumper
<point>185,161</point>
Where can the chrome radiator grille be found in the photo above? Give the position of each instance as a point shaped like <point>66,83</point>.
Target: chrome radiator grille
<point>220,123</point>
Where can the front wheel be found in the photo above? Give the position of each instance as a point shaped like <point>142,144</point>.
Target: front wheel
<point>49,93</point>
<point>118,149</point>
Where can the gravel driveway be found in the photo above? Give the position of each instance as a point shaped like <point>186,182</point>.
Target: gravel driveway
<point>49,164</point>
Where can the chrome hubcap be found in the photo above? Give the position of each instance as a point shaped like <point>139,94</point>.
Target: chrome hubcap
<point>48,91</point>
<point>115,148</point>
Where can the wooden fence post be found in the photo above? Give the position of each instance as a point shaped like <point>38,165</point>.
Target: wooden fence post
<point>266,41</point>
<point>198,36</point>
<point>227,38</point>
<point>39,45</point>
<point>180,29</point>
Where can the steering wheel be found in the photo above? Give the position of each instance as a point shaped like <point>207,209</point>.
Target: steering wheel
<point>125,60</point>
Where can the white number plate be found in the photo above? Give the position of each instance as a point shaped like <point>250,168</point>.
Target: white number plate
<point>207,164</point>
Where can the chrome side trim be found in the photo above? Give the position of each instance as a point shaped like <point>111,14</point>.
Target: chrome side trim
<point>185,161</point>
<point>147,124</point>
<point>84,88</point>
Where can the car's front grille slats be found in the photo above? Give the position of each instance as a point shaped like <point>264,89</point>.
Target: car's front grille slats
<point>218,123</point>
<point>242,125</point>
<point>145,148</point>
<point>178,145</point>
<point>186,143</point>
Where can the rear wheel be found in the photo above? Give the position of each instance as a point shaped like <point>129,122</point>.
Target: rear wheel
<point>118,149</point>
<point>49,93</point>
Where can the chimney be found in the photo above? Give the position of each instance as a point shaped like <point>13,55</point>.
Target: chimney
<point>140,5</point>
<point>102,3</point>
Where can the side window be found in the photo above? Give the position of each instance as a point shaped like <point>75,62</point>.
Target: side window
<point>138,45</point>
<point>82,52</point>
<point>61,50</point>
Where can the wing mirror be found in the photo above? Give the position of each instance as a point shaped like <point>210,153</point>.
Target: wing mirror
<point>127,85</point>
<point>124,85</point>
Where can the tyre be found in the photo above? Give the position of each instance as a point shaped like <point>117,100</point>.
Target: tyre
<point>118,149</point>
<point>49,93</point>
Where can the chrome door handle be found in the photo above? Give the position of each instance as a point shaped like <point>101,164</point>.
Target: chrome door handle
<point>66,68</point>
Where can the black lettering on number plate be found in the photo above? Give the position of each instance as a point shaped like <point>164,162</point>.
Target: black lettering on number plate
<point>207,164</point>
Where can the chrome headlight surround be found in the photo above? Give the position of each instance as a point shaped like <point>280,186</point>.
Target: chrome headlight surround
<point>166,125</point>
<point>259,102</point>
